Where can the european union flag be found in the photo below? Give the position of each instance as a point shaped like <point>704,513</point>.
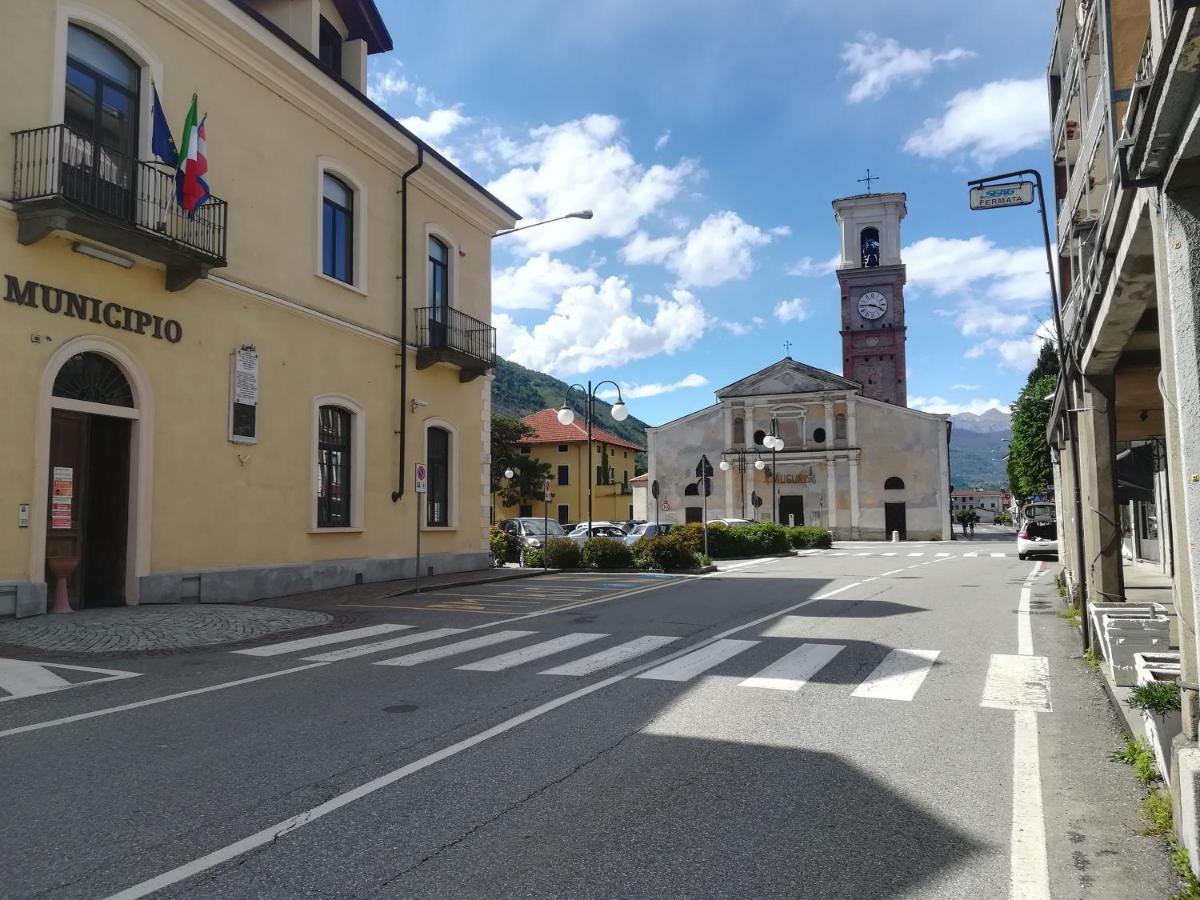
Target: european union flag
<point>161,141</point>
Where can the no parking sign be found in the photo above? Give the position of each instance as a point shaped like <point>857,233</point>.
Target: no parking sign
<point>421,479</point>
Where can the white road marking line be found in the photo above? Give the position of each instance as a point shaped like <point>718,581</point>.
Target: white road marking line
<point>65,720</point>
<point>380,646</point>
<point>21,678</point>
<point>1017,682</point>
<point>972,553</point>
<point>687,667</point>
<point>943,554</point>
<point>487,640</point>
<point>24,679</point>
<point>1029,874</point>
<point>868,553</point>
<point>279,829</point>
<point>612,656</point>
<point>887,554</point>
<point>792,671</point>
<point>916,554</point>
<point>839,553</point>
<point>528,654</point>
<point>899,676</point>
<point>892,572</point>
<point>999,555</point>
<point>337,637</point>
<point>1024,624</point>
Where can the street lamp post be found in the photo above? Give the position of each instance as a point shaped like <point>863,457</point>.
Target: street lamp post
<point>772,442</point>
<point>738,454</point>
<point>566,415</point>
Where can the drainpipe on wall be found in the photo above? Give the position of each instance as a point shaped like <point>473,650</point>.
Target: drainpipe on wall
<point>399,491</point>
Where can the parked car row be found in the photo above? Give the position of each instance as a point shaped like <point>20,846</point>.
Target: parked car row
<point>533,532</point>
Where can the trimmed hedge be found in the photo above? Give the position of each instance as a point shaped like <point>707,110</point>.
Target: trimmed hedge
<point>563,553</point>
<point>607,553</point>
<point>504,547</point>
<point>804,537</point>
<point>724,541</point>
<point>535,558</point>
<point>668,551</point>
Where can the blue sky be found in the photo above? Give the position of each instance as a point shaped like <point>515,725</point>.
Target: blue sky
<point>710,139</point>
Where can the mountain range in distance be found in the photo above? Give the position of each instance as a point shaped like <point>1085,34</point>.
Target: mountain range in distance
<point>978,443</point>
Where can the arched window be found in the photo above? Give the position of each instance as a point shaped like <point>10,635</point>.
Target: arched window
<point>334,455</point>
<point>101,110</point>
<point>739,431</point>
<point>894,484</point>
<point>94,378</point>
<point>869,243</point>
<point>337,229</point>
<point>839,427</point>
<point>437,453</point>
<point>692,490</point>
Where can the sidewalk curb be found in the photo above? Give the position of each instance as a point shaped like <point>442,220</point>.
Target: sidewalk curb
<point>471,582</point>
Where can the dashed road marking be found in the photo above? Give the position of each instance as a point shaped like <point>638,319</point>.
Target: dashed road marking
<point>899,676</point>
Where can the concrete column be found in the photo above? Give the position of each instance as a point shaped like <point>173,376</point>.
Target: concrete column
<point>853,496</point>
<point>829,432</point>
<point>1102,534</point>
<point>732,474</point>
<point>354,63</point>
<point>851,423</point>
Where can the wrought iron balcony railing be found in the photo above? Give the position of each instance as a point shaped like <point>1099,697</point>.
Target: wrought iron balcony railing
<point>65,181</point>
<point>446,335</point>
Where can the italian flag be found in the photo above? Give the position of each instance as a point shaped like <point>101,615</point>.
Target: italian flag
<point>191,190</point>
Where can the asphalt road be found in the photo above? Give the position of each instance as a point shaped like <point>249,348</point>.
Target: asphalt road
<point>843,724</point>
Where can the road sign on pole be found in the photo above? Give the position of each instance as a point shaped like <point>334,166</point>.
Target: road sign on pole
<point>547,490</point>
<point>420,486</point>
<point>421,479</point>
<point>997,196</point>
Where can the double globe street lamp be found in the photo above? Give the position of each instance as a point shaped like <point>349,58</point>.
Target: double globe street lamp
<point>566,415</point>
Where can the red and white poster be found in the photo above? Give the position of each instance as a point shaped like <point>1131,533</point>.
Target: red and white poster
<point>61,496</point>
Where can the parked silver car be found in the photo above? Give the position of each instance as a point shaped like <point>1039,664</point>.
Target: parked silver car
<point>647,530</point>
<point>599,529</point>
<point>529,531</point>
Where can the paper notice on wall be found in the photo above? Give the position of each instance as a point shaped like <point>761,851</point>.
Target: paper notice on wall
<point>60,512</point>
<point>64,482</point>
<point>245,377</point>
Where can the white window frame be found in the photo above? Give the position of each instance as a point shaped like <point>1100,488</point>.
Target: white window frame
<point>452,494</point>
<point>119,36</point>
<point>342,172</point>
<point>358,475</point>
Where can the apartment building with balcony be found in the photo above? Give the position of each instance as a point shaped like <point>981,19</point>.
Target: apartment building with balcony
<point>1125,418</point>
<point>229,404</point>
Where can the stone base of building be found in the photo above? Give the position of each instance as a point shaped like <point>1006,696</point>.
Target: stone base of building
<point>247,583</point>
<point>878,534</point>
<point>243,584</point>
<point>21,598</point>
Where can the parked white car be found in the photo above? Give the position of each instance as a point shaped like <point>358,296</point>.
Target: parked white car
<point>599,529</point>
<point>1038,531</point>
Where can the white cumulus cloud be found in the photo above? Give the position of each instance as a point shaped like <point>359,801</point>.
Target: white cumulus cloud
<point>794,310</point>
<point>583,164</point>
<point>595,327</point>
<point>537,282</point>
<point>878,64</point>
<point>654,388</point>
<point>718,250</point>
<point>948,266</point>
<point>437,125</point>
<point>807,267</point>
<point>663,140</point>
<point>964,387</point>
<point>987,122</point>
<point>942,406</point>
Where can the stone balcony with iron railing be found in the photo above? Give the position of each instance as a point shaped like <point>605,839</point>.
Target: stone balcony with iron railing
<point>65,182</point>
<point>446,335</point>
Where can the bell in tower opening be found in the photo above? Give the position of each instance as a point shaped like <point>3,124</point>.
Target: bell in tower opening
<point>869,243</point>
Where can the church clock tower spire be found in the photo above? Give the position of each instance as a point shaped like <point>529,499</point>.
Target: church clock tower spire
<point>871,277</point>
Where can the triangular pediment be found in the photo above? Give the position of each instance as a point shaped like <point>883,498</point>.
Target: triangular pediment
<point>787,377</point>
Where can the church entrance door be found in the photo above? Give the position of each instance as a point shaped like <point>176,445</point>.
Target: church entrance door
<point>894,520</point>
<point>791,506</point>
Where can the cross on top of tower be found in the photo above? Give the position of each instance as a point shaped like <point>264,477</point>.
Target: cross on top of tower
<point>787,348</point>
<point>868,180</point>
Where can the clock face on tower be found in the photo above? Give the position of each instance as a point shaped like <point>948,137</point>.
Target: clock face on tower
<point>872,305</point>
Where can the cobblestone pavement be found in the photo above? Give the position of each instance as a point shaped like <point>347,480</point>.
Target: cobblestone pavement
<point>142,628</point>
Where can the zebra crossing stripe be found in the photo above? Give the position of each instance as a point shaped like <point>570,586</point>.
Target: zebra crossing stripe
<point>692,664</point>
<point>899,676</point>
<point>380,646</point>
<point>527,654</point>
<point>612,656</point>
<point>916,554</point>
<point>793,671</point>
<point>487,640</point>
<point>943,554</point>
<point>338,637</point>
<point>1000,555</point>
<point>972,553</point>
<point>864,553</point>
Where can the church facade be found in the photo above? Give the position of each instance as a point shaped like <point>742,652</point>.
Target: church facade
<point>800,445</point>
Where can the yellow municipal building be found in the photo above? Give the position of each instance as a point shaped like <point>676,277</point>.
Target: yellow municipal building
<point>231,404</point>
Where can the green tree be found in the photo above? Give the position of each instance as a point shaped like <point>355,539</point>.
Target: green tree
<point>1029,469</point>
<point>507,436</point>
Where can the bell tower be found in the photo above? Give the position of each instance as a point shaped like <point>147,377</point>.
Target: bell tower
<point>871,277</point>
